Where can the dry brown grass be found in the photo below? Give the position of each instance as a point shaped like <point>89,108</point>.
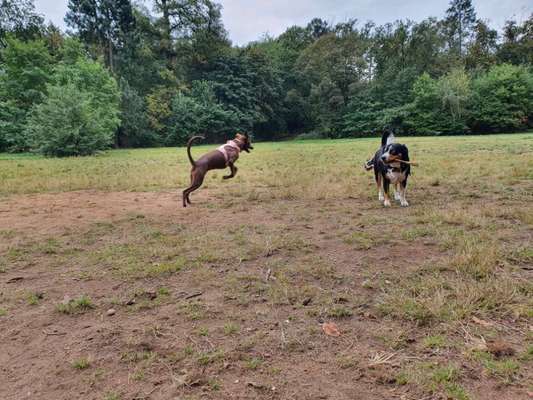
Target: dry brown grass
<point>226,299</point>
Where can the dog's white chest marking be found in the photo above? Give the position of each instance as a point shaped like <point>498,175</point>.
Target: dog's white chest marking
<point>395,177</point>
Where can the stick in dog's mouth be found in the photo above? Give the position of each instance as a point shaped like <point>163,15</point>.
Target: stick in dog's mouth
<point>395,160</point>
<point>413,163</point>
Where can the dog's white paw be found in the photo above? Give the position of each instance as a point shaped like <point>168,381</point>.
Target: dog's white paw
<point>386,203</point>
<point>381,197</point>
<point>397,196</point>
<point>404,203</point>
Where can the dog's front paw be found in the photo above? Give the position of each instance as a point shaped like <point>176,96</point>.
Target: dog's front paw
<point>386,203</point>
<point>404,203</point>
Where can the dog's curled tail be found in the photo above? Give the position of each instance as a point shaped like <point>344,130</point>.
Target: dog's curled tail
<point>387,138</point>
<point>189,144</point>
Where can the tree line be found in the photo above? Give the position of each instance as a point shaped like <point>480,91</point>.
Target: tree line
<point>130,75</point>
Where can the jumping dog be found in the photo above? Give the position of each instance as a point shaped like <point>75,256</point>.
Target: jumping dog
<point>221,158</point>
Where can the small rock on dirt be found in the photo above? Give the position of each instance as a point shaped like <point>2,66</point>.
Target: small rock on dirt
<point>111,312</point>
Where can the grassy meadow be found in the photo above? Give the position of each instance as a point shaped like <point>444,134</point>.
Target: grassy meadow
<point>109,289</point>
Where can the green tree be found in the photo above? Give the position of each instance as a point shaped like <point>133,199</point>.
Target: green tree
<point>482,50</point>
<point>67,124</point>
<point>102,23</point>
<point>182,18</point>
<point>199,113</point>
<point>247,84</point>
<point>134,130</point>
<point>439,106</point>
<point>460,20</point>
<point>517,46</point>
<point>80,113</point>
<point>318,27</point>
<point>502,99</point>
<point>27,68</point>
<point>19,18</point>
<point>328,101</point>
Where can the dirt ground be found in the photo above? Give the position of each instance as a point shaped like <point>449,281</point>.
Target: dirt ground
<point>243,321</point>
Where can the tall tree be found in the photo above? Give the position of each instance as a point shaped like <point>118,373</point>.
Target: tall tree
<point>318,27</point>
<point>460,19</point>
<point>181,18</point>
<point>517,46</point>
<point>104,23</point>
<point>19,18</point>
<point>482,50</point>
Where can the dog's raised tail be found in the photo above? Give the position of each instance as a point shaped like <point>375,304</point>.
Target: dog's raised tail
<point>189,144</point>
<point>387,138</point>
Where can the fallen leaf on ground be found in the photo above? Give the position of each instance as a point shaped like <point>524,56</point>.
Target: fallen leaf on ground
<point>330,329</point>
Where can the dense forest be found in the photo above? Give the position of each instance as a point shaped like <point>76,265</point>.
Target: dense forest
<point>128,75</point>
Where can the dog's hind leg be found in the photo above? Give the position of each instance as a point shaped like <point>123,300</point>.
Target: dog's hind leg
<point>233,172</point>
<point>197,178</point>
<point>379,181</point>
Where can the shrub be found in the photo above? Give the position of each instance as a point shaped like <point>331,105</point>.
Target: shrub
<point>24,74</point>
<point>80,113</point>
<point>439,106</point>
<point>67,125</point>
<point>502,99</point>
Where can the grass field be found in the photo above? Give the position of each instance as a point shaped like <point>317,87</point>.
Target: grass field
<point>109,289</point>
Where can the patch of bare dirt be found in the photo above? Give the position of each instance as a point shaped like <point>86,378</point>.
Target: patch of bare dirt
<point>179,343</point>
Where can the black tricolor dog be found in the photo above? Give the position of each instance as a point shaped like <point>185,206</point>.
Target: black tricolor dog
<point>388,169</point>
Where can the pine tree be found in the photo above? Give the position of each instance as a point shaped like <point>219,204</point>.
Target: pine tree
<point>460,19</point>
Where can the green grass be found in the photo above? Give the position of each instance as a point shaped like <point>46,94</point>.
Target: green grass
<point>238,285</point>
<point>230,329</point>
<point>435,379</point>
<point>81,363</point>
<point>283,170</point>
<point>112,396</point>
<point>76,306</point>
<point>505,370</point>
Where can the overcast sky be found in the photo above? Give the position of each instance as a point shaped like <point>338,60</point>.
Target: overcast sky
<point>247,20</point>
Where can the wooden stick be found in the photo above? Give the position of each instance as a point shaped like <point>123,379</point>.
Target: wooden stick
<point>413,163</point>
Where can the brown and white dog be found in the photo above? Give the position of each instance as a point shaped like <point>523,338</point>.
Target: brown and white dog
<point>391,165</point>
<point>224,156</point>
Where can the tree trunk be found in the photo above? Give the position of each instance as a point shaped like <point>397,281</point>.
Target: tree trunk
<point>166,32</point>
<point>110,55</point>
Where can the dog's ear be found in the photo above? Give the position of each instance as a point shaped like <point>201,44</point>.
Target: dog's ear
<point>405,152</point>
